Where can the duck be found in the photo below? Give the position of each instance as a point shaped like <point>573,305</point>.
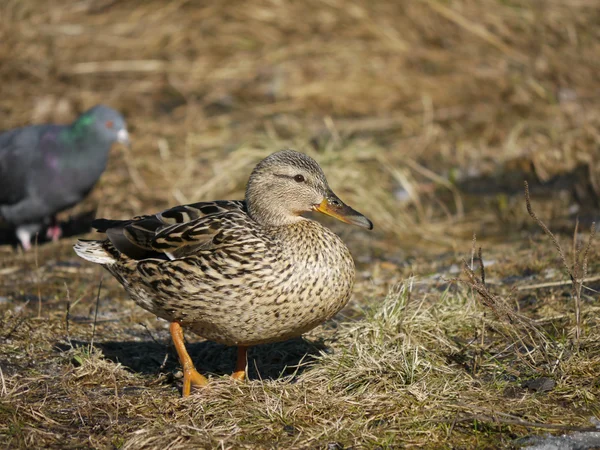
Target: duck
<point>237,272</point>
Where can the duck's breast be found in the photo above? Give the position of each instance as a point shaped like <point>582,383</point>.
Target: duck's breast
<point>311,279</point>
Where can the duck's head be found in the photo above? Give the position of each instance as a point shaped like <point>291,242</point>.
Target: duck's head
<point>286,184</point>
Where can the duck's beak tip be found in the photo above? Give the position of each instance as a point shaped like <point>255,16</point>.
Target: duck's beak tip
<point>334,207</point>
<point>369,224</point>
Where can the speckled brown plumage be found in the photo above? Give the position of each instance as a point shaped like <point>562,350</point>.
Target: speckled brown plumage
<point>238,273</point>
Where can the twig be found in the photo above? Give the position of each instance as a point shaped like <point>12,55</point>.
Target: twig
<point>556,283</point>
<point>481,266</point>
<point>578,270</point>
<point>411,279</point>
<point>164,363</point>
<point>473,246</point>
<point>96,315</point>
<point>575,248</point>
<point>452,426</point>
<point>546,230</point>
<point>518,327</point>
<point>150,334</point>
<point>4,390</point>
<point>68,315</point>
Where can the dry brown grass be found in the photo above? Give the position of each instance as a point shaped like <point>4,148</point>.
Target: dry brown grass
<point>457,88</point>
<point>400,102</point>
<point>404,373</point>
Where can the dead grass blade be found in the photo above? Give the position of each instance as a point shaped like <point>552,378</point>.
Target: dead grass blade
<point>577,271</point>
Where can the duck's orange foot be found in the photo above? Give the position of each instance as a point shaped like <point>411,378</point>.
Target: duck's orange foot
<point>239,375</point>
<point>190,374</point>
<point>240,367</point>
<point>191,377</point>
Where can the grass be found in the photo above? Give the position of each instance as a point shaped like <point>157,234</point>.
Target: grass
<point>426,116</point>
<point>403,373</point>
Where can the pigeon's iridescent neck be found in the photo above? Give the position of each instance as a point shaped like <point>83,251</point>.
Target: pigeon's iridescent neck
<point>79,127</point>
<point>76,131</point>
<point>78,145</point>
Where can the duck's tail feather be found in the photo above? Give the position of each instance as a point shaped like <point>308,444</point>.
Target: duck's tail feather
<point>99,252</point>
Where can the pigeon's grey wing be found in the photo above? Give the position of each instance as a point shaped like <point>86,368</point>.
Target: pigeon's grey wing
<point>15,159</point>
<point>21,166</point>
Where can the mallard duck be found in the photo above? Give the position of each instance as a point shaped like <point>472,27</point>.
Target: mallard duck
<point>240,273</point>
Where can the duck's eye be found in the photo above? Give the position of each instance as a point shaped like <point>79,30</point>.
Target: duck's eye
<point>109,124</point>
<point>299,178</point>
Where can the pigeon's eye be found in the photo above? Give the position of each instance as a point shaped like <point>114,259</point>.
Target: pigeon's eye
<point>109,124</point>
<point>299,178</point>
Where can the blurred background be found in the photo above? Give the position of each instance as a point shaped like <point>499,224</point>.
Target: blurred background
<point>426,115</point>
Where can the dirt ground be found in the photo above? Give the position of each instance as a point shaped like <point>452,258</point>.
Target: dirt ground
<point>427,116</point>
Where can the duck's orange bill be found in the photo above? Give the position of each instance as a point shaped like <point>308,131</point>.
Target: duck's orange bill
<point>334,207</point>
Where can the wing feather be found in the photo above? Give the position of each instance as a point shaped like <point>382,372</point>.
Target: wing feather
<point>174,233</point>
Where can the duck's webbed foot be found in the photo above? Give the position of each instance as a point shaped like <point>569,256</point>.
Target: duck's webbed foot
<point>190,375</point>
<point>240,366</point>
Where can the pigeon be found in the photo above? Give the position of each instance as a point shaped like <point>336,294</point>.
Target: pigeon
<point>45,169</point>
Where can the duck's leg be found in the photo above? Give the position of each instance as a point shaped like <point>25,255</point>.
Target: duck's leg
<point>240,365</point>
<point>190,375</point>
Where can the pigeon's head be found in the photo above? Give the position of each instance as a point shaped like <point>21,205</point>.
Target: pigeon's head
<point>105,123</point>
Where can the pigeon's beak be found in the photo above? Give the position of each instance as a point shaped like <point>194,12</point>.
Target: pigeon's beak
<point>334,207</point>
<point>123,137</point>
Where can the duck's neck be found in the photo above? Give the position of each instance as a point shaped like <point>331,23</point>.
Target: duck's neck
<point>308,244</point>
<point>270,213</point>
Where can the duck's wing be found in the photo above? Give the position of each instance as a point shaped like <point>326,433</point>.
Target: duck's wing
<point>175,232</point>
